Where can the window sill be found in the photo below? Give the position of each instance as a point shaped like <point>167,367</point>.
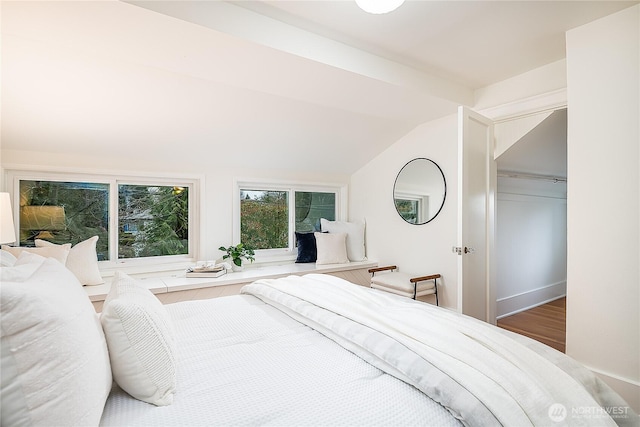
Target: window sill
<point>178,282</point>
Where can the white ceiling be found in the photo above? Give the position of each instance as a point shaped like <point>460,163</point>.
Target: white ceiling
<point>474,43</point>
<point>305,85</point>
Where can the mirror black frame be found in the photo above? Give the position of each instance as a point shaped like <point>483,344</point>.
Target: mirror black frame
<point>444,195</point>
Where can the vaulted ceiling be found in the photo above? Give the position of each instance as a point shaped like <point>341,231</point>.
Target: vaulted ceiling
<point>541,151</point>
<point>306,85</point>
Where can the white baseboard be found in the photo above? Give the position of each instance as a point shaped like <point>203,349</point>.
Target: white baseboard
<point>628,389</point>
<point>524,301</point>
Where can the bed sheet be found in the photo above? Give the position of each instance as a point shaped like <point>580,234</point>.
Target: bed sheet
<point>243,362</point>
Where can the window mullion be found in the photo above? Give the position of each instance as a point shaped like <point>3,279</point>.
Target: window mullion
<point>292,218</point>
<point>113,221</point>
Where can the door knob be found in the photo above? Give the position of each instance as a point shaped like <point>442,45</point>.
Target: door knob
<point>466,250</point>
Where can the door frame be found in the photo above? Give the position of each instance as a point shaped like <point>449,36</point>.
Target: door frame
<point>548,101</point>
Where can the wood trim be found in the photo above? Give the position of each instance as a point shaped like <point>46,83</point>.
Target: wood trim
<point>423,278</point>
<point>378,269</point>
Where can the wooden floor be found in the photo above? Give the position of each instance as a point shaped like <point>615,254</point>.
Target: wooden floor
<point>545,323</point>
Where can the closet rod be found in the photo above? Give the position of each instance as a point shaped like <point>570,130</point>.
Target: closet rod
<point>518,175</point>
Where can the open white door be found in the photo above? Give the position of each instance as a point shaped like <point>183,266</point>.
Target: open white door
<point>476,212</point>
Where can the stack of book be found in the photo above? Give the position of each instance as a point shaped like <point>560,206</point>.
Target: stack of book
<point>206,271</point>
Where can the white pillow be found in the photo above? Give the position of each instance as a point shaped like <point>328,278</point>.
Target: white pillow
<point>7,259</point>
<point>59,252</point>
<point>55,365</point>
<point>332,248</point>
<point>82,260</point>
<point>22,269</point>
<point>140,339</point>
<point>355,236</point>
<point>27,257</point>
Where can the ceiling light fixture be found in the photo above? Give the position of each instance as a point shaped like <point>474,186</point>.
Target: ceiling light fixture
<point>379,6</point>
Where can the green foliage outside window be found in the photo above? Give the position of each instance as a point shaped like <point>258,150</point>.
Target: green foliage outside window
<point>408,209</point>
<point>84,213</point>
<point>264,219</point>
<point>264,215</point>
<point>152,220</point>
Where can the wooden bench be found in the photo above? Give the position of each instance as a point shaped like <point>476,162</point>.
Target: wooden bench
<point>404,284</point>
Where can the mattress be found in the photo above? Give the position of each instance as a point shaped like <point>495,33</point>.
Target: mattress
<point>243,362</point>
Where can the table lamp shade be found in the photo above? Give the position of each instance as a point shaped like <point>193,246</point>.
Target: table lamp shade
<point>7,230</point>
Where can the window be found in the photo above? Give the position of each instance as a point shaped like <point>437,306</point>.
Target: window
<point>264,218</point>
<point>408,208</point>
<point>269,216</point>
<point>153,220</point>
<point>64,212</point>
<point>134,218</point>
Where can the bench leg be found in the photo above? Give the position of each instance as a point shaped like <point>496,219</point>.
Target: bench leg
<point>435,288</point>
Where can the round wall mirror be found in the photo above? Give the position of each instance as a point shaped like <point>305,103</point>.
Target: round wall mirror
<point>419,191</point>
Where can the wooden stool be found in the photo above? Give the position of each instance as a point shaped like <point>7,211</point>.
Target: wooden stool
<point>403,284</point>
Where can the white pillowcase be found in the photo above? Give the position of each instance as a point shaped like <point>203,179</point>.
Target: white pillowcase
<point>55,364</point>
<point>82,260</point>
<point>59,252</point>
<point>22,269</point>
<point>332,248</point>
<point>355,236</point>
<point>140,340</point>
<point>7,259</point>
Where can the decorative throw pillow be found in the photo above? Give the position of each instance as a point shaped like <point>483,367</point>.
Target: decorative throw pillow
<point>55,364</point>
<point>140,340</point>
<point>332,248</point>
<point>307,251</point>
<point>82,260</point>
<point>59,252</point>
<point>355,236</point>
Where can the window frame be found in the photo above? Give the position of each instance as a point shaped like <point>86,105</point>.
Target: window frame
<point>131,265</point>
<point>289,253</point>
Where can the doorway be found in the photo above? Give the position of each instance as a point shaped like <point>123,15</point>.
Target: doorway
<point>531,213</point>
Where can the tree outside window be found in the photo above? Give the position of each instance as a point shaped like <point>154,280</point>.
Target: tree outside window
<point>152,220</point>
<point>265,215</point>
<point>264,219</point>
<point>64,212</point>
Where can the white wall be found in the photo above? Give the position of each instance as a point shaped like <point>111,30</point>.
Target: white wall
<point>217,216</point>
<point>531,244</point>
<point>415,249</point>
<point>603,277</point>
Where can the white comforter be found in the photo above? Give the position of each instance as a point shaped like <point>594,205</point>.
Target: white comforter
<point>478,372</point>
<point>243,362</point>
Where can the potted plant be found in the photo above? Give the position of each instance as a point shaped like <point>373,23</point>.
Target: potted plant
<point>236,253</point>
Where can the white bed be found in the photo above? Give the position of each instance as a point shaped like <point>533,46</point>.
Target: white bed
<point>311,350</point>
<point>317,350</point>
<point>243,362</point>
